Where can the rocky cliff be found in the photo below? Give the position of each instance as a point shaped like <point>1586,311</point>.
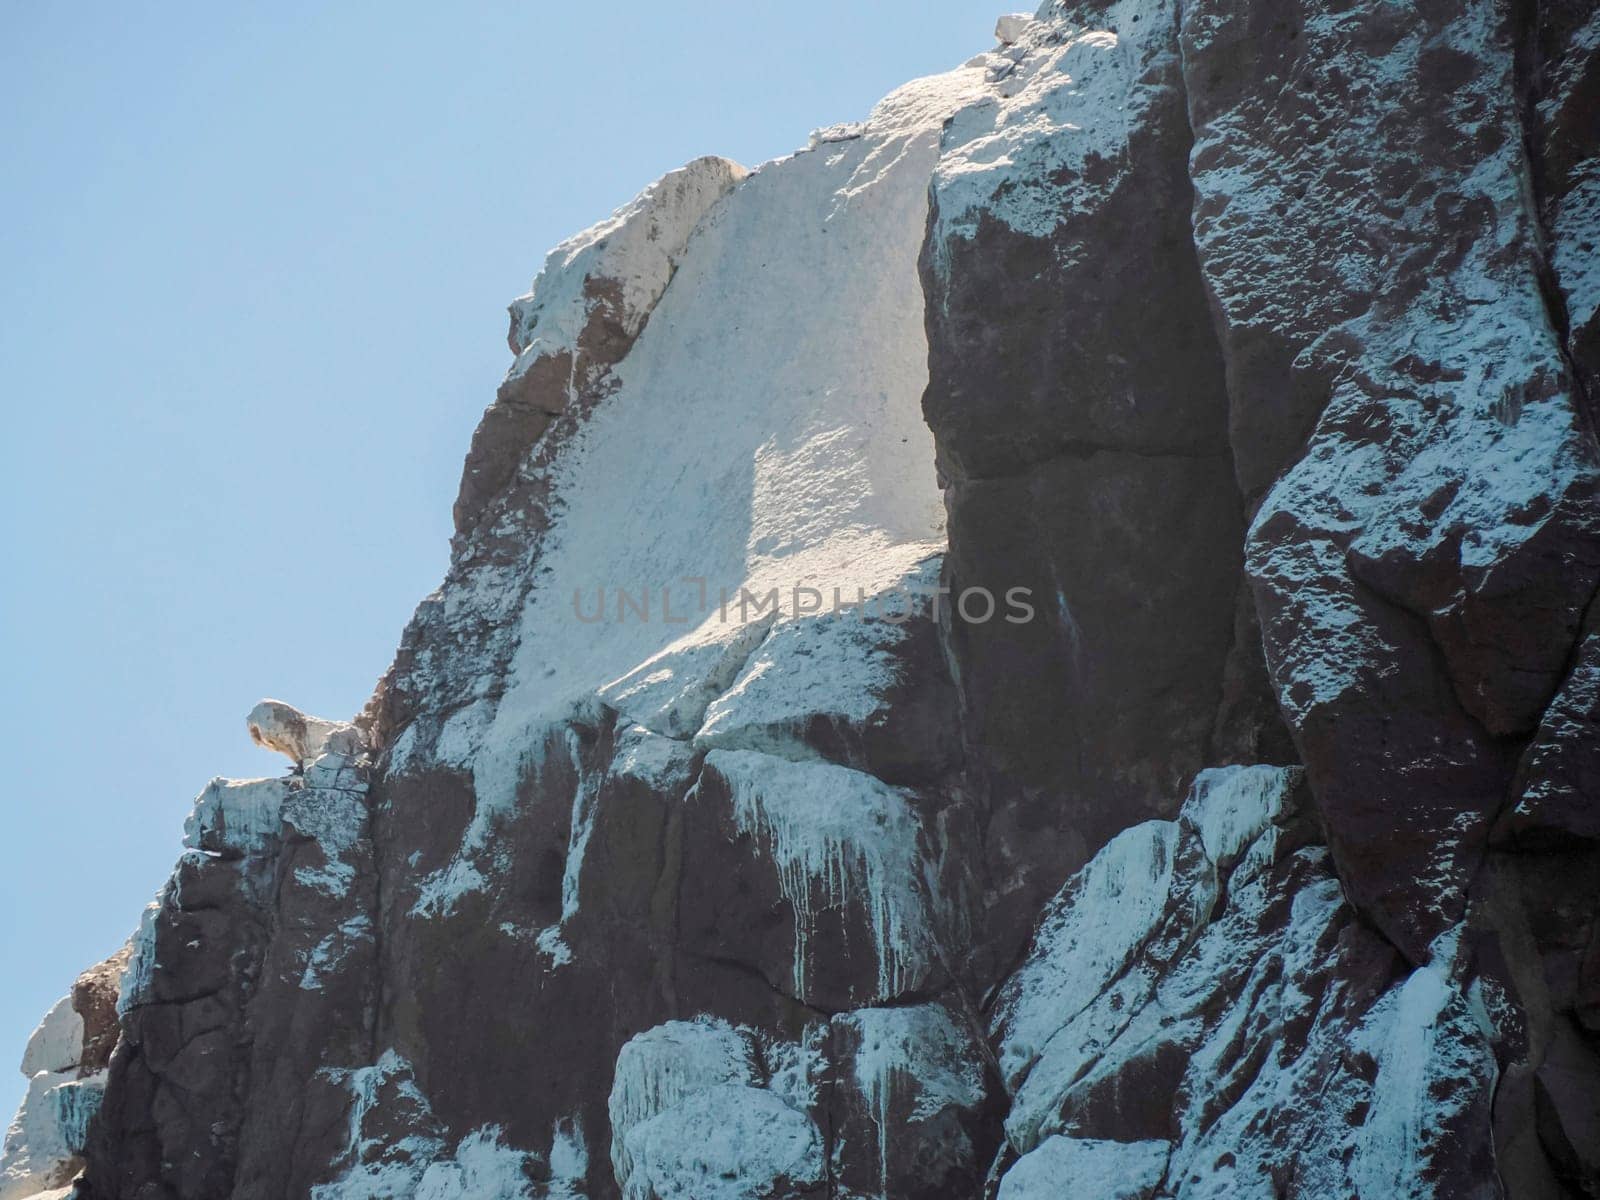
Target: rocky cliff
<point>1041,646</point>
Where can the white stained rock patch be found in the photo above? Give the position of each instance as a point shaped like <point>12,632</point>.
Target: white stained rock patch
<point>725,1143</point>
<point>917,1045</point>
<point>837,665</point>
<point>1426,1038</point>
<point>47,1136</point>
<point>1106,912</point>
<point>1577,226</point>
<point>1134,961</point>
<point>1233,806</point>
<point>135,987</point>
<point>1089,933</point>
<point>329,806</point>
<point>58,1042</point>
<point>1058,1011</point>
<point>635,250</point>
<point>326,956</point>
<point>840,840</point>
<point>43,1146</point>
<point>395,1149</point>
<point>569,1159</point>
<point>284,728</point>
<point>663,1066</point>
<point>384,1097</point>
<point>483,1167</point>
<point>914,1051</point>
<point>1087,1169</point>
<point>1008,30</point>
<point>765,432</point>
<point>692,1120</point>
<point>1067,103</point>
<point>237,815</point>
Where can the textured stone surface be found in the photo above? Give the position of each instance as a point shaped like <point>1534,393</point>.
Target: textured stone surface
<point>911,1102</point>
<point>1079,405</point>
<point>1557,784</point>
<point>711,836</point>
<point>1237,1015</point>
<point>1364,227</point>
<point>65,1062</point>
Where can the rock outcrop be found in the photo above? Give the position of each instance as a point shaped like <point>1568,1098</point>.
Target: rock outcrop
<point>65,1062</point>
<point>1044,644</point>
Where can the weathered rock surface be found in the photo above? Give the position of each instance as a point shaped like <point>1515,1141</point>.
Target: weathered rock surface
<point>1044,644</point>
<point>1429,548</point>
<point>1237,1015</point>
<point>1079,404</point>
<point>65,1062</point>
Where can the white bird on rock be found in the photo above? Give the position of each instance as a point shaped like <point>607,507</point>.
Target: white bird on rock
<point>302,738</point>
<point>1008,30</point>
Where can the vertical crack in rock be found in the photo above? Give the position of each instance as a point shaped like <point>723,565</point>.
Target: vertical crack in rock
<point>1079,405</point>
<point>1559,85</point>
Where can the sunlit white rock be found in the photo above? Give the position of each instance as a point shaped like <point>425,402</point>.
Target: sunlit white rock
<point>1010,28</point>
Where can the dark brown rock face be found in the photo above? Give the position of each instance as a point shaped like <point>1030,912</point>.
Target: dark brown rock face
<point>1079,405</point>
<point>1558,776</point>
<point>1432,546</point>
<point>172,1114</point>
<point>94,999</point>
<point>1092,683</point>
<point>254,970</point>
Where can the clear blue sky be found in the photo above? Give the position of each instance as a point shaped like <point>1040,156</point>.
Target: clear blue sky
<point>253,272</point>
